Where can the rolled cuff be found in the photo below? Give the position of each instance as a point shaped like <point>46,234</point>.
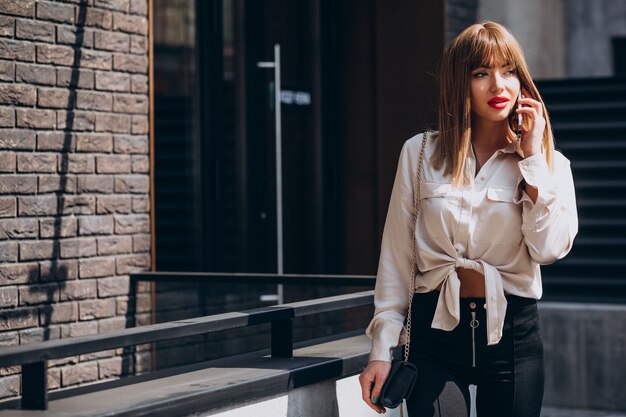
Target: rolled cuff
<point>537,174</point>
<point>385,335</point>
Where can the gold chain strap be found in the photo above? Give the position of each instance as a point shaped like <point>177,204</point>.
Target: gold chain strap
<point>417,180</point>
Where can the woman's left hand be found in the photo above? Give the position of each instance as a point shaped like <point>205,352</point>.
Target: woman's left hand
<point>532,138</point>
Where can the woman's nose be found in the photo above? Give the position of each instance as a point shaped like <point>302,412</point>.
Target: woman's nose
<point>497,82</point>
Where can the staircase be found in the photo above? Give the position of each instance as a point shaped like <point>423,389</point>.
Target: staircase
<point>589,123</point>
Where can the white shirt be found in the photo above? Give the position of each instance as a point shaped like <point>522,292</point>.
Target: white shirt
<point>490,225</point>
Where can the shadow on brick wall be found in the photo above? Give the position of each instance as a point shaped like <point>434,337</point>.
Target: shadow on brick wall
<point>58,270</point>
<point>61,276</point>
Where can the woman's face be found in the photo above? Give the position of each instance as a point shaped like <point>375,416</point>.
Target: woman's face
<point>494,91</point>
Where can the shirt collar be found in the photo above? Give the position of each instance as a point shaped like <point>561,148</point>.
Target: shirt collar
<point>513,147</point>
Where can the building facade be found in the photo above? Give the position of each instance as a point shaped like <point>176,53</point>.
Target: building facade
<point>139,134</point>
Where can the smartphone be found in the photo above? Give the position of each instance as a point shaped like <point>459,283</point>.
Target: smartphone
<point>519,117</point>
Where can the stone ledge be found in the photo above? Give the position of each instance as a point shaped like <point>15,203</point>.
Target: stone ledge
<point>210,385</point>
<point>578,412</point>
<point>585,355</point>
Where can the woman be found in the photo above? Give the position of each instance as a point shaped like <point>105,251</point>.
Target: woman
<point>492,209</point>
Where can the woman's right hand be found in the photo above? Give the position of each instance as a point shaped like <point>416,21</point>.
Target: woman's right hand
<point>372,379</point>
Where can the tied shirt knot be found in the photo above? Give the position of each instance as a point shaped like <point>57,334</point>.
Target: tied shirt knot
<point>448,309</point>
<point>466,263</point>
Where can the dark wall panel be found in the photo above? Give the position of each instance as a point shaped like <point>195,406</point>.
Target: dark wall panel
<point>390,56</point>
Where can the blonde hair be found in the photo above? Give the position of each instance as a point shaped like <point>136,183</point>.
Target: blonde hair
<point>479,45</point>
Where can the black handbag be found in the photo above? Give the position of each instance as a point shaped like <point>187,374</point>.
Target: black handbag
<point>401,380</point>
<point>399,384</point>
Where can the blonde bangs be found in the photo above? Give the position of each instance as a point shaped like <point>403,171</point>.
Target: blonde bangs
<point>491,45</point>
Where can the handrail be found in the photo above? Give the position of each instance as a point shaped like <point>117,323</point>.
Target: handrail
<point>33,357</point>
<point>62,348</point>
<point>256,278</point>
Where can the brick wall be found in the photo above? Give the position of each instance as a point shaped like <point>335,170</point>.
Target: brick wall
<point>74,177</point>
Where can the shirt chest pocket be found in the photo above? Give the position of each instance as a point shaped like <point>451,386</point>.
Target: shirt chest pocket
<point>499,217</point>
<point>435,218</point>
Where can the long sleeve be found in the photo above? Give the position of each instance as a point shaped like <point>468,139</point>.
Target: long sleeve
<point>394,267</point>
<point>551,223</point>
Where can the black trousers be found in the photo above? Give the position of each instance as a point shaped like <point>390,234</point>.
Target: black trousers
<point>509,376</point>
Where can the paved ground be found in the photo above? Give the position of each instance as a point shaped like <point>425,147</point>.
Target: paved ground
<point>572,412</point>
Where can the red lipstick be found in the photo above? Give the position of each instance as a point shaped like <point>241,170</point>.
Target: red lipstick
<point>498,102</point>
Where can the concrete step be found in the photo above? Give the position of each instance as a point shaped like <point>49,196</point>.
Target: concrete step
<point>577,412</point>
<point>583,90</point>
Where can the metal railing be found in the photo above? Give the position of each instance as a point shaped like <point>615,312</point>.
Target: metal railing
<point>33,358</point>
<point>250,278</point>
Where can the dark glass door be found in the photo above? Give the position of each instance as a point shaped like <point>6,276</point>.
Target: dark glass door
<point>179,240</point>
<point>309,147</point>
<point>296,26</point>
<point>215,136</point>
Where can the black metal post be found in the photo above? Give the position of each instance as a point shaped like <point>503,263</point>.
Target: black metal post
<point>282,338</point>
<point>35,386</point>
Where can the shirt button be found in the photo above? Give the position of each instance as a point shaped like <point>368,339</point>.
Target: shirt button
<point>482,178</point>
<point>458,247</point>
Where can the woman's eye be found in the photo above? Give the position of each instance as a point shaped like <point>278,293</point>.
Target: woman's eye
<point>479,74</point>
